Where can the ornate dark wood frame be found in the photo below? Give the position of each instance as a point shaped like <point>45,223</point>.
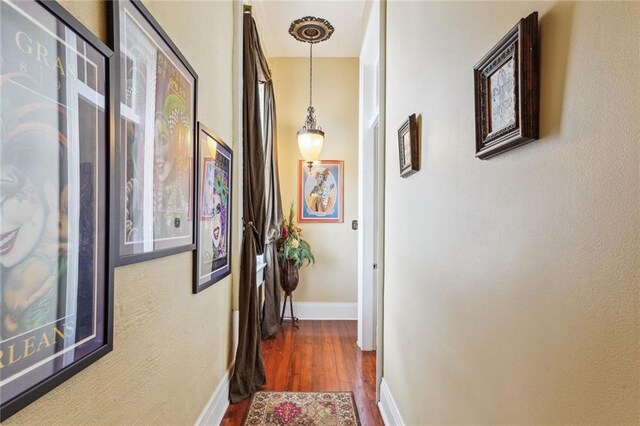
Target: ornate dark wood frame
<point>521,45</point>
<point>410,126</point>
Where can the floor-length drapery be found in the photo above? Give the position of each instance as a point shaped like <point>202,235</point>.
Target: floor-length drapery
<point>271,314</point>
<point>249,376</point>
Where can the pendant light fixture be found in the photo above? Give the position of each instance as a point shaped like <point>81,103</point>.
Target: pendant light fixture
<point>310,30</point>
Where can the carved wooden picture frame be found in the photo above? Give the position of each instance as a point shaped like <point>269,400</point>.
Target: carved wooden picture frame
<point>507,91</point>
<point>409,147</point>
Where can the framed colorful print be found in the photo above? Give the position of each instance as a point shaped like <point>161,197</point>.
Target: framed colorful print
<point>156,122</point>
<point>55,129</point>
<point>409,147</point>
<point>215,178</point>
<point>507,91</point>
<point>320,191</point>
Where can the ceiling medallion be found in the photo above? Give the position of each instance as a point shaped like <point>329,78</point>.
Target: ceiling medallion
<point>311,29</point>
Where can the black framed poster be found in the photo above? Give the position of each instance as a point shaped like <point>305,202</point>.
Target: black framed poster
<point>215,178</point>
<point>157,129</point>
<point>55,126</point>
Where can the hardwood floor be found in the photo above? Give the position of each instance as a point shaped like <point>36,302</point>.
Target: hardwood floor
<point>319,356</point>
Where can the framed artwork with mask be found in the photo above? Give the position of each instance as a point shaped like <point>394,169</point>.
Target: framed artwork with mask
<point>213,226</point>
<point>56,290</point>
<point>154,186</point>
<point>320,191</point>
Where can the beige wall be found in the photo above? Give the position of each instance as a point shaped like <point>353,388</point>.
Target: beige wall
<point>335,97</point>
<point>511,285</point>
<point>171,347</point>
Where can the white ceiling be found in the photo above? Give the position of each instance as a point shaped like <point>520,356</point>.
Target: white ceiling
<point>274,17</point>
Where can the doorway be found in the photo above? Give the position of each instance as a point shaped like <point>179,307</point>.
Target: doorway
<point>371,187</point>
<point>371,184</point>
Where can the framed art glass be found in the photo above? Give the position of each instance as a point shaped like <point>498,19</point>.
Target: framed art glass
<point>215,178</point>
<point>409,147</point>
<point>320,191</point>
<point>55,129</point>
<point>156,124</point>
<point>507,91</point>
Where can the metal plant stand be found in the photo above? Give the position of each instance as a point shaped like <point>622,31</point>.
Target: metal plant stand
<point>292,318</point>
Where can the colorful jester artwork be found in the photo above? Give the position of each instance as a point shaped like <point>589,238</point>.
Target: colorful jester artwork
<point>53,143</point>
<point>214,211</point>
<point>157,128</point>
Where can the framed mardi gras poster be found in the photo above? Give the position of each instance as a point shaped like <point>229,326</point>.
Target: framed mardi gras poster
<point>215,173</point>
<point>56,292</point>
<point>157,116</point>
<point>320,191</point>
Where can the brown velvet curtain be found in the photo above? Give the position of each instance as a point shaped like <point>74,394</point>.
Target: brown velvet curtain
<point>271,314</point>
<point>249,376</point>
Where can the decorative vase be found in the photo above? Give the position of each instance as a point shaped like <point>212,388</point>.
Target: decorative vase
<point>289,276</point>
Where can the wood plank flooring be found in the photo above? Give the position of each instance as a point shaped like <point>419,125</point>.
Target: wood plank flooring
<point>319,356</point>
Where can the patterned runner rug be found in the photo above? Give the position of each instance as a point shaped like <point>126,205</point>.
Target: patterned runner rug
<point>302,408</point>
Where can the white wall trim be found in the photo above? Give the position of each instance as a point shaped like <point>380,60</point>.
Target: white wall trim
<point>388,408</point>
<point>213,412</point>
<point>324,310</point>
<point>369,189</point>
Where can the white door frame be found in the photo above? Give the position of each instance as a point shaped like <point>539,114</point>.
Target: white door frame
<point>370,186</point>
<point>382,129</point>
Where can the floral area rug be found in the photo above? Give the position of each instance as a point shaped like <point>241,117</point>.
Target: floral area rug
<point>302,408</point>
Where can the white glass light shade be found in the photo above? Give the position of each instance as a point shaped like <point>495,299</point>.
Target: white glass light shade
<point>310,143</point>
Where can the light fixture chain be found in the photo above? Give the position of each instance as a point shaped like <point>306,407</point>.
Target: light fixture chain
<point>310,74</point>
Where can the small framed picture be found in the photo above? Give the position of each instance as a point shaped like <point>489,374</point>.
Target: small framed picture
<point>507,91</point>
<point>409,147</point>
<point>212,258</point>
<point>320,191</point>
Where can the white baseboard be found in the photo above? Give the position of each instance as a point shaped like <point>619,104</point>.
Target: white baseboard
<point>216,407</point>
<point>324,310</point>
<point>388,408</point>
<point>213,413</point>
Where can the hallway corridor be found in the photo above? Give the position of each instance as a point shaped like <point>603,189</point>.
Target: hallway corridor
<point>319,356</point>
